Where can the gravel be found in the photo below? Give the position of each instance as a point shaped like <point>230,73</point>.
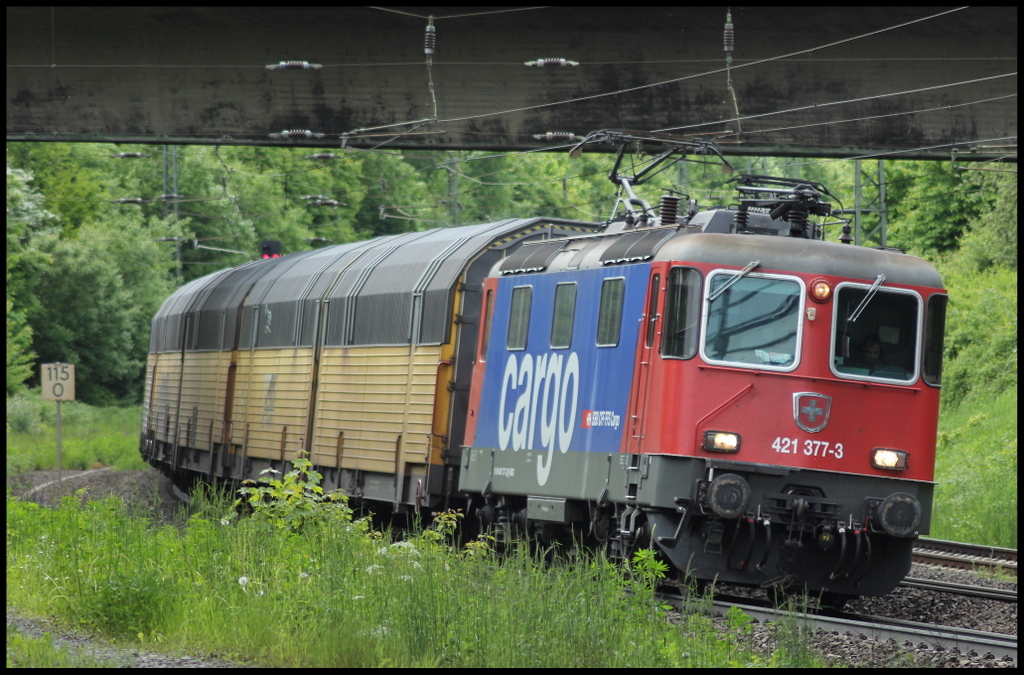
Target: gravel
<point>911,604</point>
<point>145,492</point>
<point>150,493</point>
<point>86,646</point>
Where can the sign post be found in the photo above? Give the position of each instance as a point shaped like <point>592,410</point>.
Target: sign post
<point>59,385</point>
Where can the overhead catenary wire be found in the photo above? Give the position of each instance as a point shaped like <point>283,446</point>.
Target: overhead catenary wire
<point>750,64</point>
<point>862,119</point>
<point>674,80</point>
<point>863,99</point>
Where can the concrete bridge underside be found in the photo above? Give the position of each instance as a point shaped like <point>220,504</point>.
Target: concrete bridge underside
<point>922,89</point>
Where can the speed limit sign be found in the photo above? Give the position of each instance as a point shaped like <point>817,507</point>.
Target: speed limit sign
<point>58,382</point>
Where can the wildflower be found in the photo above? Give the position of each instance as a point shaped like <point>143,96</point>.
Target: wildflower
<point>358,597</point>
<point>242,581</point>
<point>406,546</point>
<point>373,569</point>
<point>225,521</point>
<point>380,631</point>
<point>303,575</point>
<point>259,593</point>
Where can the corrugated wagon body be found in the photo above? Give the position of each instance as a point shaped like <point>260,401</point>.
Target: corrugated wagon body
<point>359,354</point>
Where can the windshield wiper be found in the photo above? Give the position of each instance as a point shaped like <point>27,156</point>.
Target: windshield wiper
<point>867,298</point>
<point>724,287</point>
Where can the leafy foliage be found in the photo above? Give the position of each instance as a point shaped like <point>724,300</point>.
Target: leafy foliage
<point>931,206</point>
<point>94,303</point>
<point>296,500</point>
<point>981,277</point>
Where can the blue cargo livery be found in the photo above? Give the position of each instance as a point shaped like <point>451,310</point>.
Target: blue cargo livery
<point>560,378</point>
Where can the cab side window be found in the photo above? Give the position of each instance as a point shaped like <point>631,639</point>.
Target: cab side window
<point>519,317</point>
<point>609,317</point>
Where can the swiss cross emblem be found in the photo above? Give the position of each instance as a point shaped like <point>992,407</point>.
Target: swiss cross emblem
<point>810,410</point>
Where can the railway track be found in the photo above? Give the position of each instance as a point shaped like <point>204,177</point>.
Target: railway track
<point>969,590</point>
<point>905,633</point>
<point>965,556</point>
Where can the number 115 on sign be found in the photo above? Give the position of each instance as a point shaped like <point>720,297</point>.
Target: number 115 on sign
<point>58,381</point>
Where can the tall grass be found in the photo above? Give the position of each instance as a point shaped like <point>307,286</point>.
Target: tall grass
<point>336,594</point>
<point>976,471</point>
<point>90,436</point>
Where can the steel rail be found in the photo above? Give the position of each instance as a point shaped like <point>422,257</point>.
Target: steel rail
<point>906,633</point>
<point>966,556</point>
<point>961,589</point>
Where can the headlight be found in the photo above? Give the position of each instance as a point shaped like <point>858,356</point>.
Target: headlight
<point>887,458</point>
<point>721,441</point>
<point>820,290</point>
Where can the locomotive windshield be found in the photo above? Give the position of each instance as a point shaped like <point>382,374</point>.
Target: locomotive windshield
<point>755,321</point>
<point>882,341</point>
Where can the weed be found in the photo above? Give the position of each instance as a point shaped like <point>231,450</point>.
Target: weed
<point>297,500</point>
<point>22,415</point>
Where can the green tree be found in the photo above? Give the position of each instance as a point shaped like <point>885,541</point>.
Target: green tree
<point>931,206</point>
<point>20,357</point>
<point>94,303</point>
<point>981,278</point>
<point>25,218</point>
<point>69,175</point>
<point>400,195</point>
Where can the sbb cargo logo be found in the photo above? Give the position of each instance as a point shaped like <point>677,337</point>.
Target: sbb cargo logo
<point>600,418</point>
<point>539,394</point>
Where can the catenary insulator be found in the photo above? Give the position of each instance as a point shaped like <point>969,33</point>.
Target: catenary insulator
<point>297,133</point>
<point>550,62</point>
<point>669,209</point>
<point>430,41</point>
<point>294,65</point>
<point>730,37</point>
<point>557,136</point>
